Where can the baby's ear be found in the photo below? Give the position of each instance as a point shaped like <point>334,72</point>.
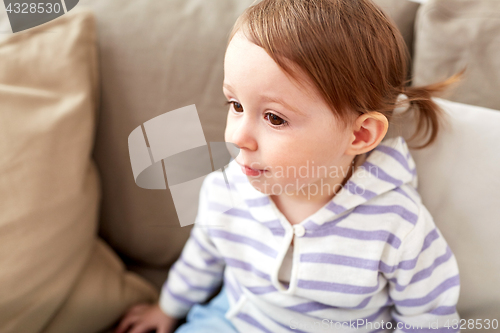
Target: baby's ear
<point>368,130</point>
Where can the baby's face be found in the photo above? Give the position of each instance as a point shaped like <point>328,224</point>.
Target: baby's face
<point>280,127</point>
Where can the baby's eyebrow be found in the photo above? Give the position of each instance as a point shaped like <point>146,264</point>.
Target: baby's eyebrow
<point>282,102</point>
<point>266,98</point>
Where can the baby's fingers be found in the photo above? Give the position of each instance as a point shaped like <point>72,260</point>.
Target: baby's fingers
<point>162,329</point>
<point>138,308</point>
<point>143,327</point>
<point>127,321</point>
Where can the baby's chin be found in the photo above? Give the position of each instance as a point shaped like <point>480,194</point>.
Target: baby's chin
<point>268,187</point>
<point>259,185</point>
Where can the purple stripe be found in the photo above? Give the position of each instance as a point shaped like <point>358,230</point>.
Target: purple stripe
<point>431,236</point>
<point>337,287</point>
<point>411,263</point>
<point>397,156</point>
<point>401,191</point>
<point>247,267</point>
<point>198,269</point>
<point>232,291</point>
<point>311,226</point>
<point>259,246</point>
<point>373,317</point>
<point>314,228</point>
<point>336,259</point>
<point>428,240</point>
<point>426,272</point>
<point>275,227</point>
<point>316,306</point>
<point>192,286</point>
<point>179,298</point>
<point>239,213</point>
<point>258,202</point>
<point>309,307</point>
<point>261,290</point>
<point>337,209</point>
<point>222,183</point>
<point>375,235</point>
<point>287,327</point>
<point>358,190</point>
<point>444,310</point>
<point>381,174</point>
<point>252,321</point>
<point>361,305</point>
<point>215,259</point>
<point>239,178</point>
<point>387,209</point>
<point>239,287</point>
<point>445,285</point>
<point>216,207</point>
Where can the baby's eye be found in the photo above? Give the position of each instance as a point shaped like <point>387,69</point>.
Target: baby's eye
<point>237,106</point>
<point>275,120</point>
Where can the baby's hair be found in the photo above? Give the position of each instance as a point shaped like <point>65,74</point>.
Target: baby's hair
<point>351,52</point>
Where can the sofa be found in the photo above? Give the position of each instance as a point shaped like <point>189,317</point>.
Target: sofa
<point>80,242</point>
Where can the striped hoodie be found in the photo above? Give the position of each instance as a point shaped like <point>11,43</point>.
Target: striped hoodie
<point>370,260</point>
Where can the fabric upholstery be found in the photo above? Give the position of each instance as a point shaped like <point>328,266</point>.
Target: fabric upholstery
<point>55,274</point>
<point>459,184</point>
<point>452,34</point>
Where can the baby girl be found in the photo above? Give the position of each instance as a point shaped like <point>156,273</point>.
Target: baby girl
<point>328,232</point>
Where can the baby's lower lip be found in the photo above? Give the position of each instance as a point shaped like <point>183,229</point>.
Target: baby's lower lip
<point>251,172</point>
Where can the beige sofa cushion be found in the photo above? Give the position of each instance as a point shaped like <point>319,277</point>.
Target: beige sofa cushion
<point>451,34</point>
<point>459,184</point>
<point>156,56</point>
<point>55,275</point>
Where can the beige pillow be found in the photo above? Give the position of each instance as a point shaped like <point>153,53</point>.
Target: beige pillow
<point>55,275</point>
<point>450,34</point>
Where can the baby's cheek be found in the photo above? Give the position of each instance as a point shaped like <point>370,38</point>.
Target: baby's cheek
<point>227,132</point>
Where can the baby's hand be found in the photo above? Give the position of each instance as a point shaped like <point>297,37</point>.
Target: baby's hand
<point>143,318</point>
